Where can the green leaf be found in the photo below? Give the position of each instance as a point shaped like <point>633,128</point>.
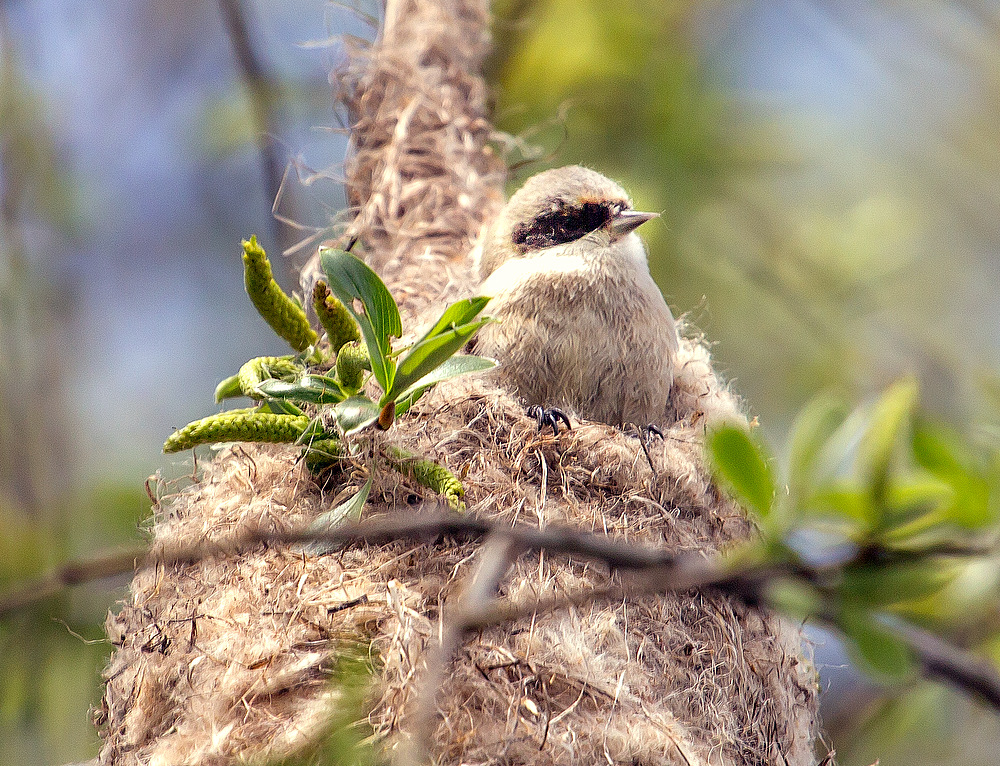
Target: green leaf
<point>279,407</point>
<point>943,454</point>
<point>915,507</point>
<point>383,367</point>
<point>313,431</point>
<point>890,416</point>
<point>458,313</point>
<point>843,500</point>
<point>743,465</point>
<point>918,496</point>
<point>875,648</point>
<point>351,279</point>
<point>937,450</point>
<point>880,585</point>
<point>971,507</point>
<point>355,413</point>
<point>350,510</point>
<point>813,427</point>
<point>315,389</point>
<point>429,354</point>
<point>794,598</point>
<point>450,368</point>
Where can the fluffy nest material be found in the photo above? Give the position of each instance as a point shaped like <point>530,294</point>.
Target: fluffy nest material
<point>422,174</point>
<point>228,659</point>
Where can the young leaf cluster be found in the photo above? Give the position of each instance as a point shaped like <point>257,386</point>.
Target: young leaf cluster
<point>317,396</point>
<point>879,510</point>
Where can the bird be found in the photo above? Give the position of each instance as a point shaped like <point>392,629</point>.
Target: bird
<point>581,325</point>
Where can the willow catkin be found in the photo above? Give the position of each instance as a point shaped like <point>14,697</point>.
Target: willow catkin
<point>429,474</point>
<point>333,316</point>
<point>256,371</point>
<point>245,425</point>
<point>352,361</point>
<point>285,316</point>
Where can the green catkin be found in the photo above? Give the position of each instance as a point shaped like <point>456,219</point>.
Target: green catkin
<point>352,361</point>
<point>322,453</point>
<point>256,371</point>
<point>429,474</point>
<point>246,425</point>
<point>285,316</point>
<point>228,388</point>
<point>339,324</point>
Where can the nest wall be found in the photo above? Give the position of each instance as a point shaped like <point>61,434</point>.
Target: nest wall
<point>228,659</point>
<point>423,177</point>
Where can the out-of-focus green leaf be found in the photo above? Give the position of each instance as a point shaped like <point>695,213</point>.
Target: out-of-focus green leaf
<point>347,739</point>
<point>743,465</point>
<point>424,357</point>
<point>844,501</point>
<point>917,496</point>
<point>794,598</point>
<point>972,506</point>
<point>944,455</point>
<point>813,427</point>
<point>879,586</point>
<point>351,279</point>
<point>889,418</point>
<point>938,451</point>
<point>875,648</point>
<point>349,510</point>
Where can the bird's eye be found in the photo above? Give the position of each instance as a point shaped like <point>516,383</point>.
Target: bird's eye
<point>563,223</point>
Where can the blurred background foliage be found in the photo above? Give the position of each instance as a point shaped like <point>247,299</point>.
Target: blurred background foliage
<point>828,174</point>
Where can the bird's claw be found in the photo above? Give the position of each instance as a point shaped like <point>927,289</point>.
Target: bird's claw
<point>646,434</point>
<point>549,416</point>
<point>651,430</point>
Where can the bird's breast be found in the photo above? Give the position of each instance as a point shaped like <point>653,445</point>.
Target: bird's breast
<point>593,339</point>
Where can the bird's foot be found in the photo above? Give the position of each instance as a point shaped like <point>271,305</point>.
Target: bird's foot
<point>651,430</point>
<point>549,416</point>
<point>646,435</point>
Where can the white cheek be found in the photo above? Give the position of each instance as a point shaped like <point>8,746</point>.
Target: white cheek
<point>633,250</point>
<point>515,272</point>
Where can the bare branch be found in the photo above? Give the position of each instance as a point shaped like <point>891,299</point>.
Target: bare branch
<point>377,531</point>
<point>73,573</point>
<point>948,663</point>
<point>499,551</point>
<point>645,570</point>
<point>262,90</point>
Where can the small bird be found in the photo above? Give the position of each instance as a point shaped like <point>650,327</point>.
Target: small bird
<point>582,325</point>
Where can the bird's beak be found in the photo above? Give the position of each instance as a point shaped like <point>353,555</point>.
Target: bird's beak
<point>629,220</point>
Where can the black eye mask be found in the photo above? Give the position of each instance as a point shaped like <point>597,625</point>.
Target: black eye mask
<point>563,223</point>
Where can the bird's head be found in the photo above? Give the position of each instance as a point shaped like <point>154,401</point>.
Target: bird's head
<point>557,207</point>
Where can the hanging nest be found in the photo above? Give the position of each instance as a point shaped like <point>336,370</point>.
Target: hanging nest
<point>423,175</point>
<point>228,659</point>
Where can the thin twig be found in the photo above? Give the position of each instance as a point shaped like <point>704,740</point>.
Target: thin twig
<point>499,551</point>
<point>262,90</point>
<point>73,573</point>
<point>645,571</point>
<point>946,662</point>
<point>378,531</point>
